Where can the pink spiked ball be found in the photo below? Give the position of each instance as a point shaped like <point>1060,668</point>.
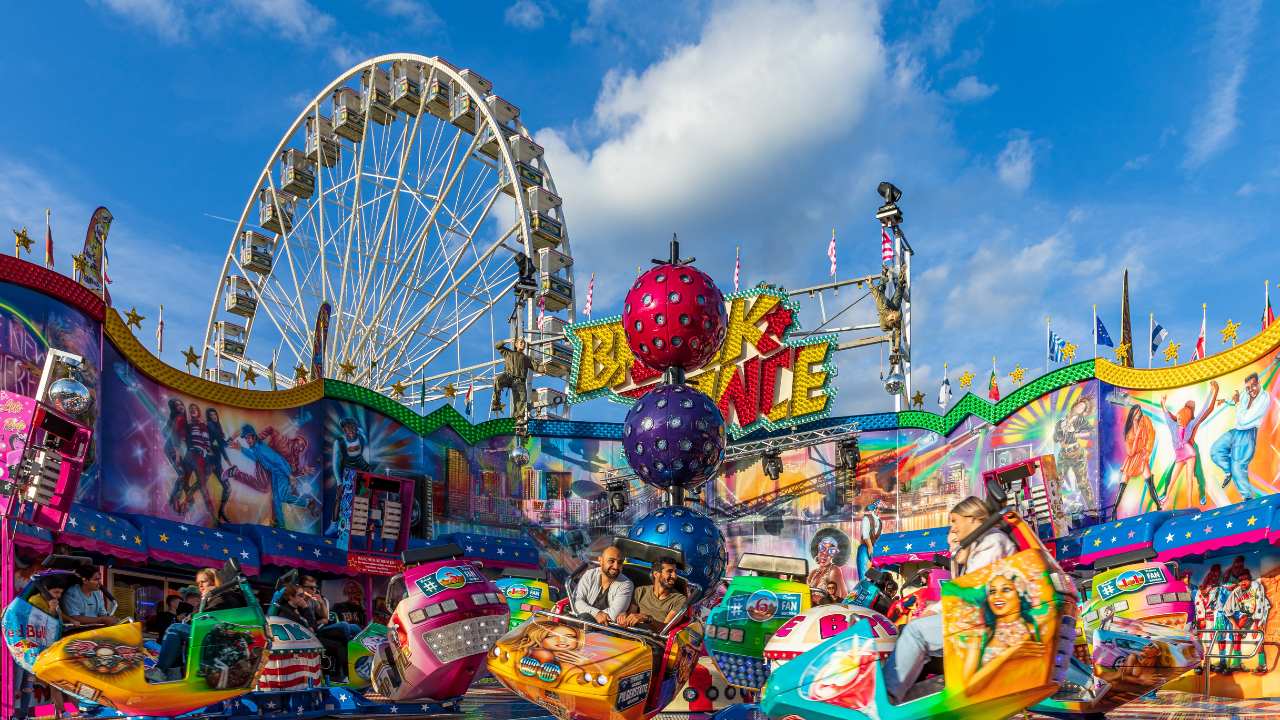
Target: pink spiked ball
<point>674,316</point>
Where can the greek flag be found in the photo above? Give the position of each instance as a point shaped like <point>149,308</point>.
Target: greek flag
<point>1056,343</point>
<point>1158,336</point>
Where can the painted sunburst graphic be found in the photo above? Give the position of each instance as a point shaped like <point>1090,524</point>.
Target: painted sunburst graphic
<point>1035,421</point>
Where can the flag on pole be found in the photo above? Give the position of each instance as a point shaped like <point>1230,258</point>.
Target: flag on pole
<point>1056,343</point>
<point>993,384</point>
<point>591,290</point>
<point>271,371</point>
<point>48,240</point>
<point>1102,337</point>
<point>886,247</point>
<point>422,390</point>
<point>467,401</point>
<point>831,253</point>
<point>1268,315</point>
<point>1199,353</point>
<point>160,333</point>
<point>1158,335</point>
<point>944,390</point>
<point>542,310</point>
<point>737,266</point>
<point>106,261</point>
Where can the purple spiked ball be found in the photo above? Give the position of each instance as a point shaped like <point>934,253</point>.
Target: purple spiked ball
<point>674,437</point>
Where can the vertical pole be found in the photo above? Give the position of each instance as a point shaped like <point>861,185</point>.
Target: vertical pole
<point>7,566</point>
<point>903,252</point>
<point>1095,331</point>
<point>1151,337</point>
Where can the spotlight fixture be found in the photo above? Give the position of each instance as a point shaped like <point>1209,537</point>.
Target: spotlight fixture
<point>771,464</point>
<point>618,500</point>
<point>894,382</point>
<point>889,215</point>
<point>850,453</point>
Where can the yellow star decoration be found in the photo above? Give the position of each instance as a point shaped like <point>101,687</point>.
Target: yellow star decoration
<point>1069,352</point>
<point>1229,332</point>
<point>1018,373</point>
<point>450,391</point>
<point>191,356</point>
<point>346,369</point>
<point>1122,353</point>
<point>133,319</point>
<point>1171,352</point>
<point>966,378</point>
<point>79,264</point>
<point>398,389</point>
<point>918,399</point>
<point>250,376</point>
<point>21,239</point>
<point>300,373</point>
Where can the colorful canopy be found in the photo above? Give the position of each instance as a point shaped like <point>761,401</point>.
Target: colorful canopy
<point>910,546</point>
<point>493,551</point>
<point>103,533</point>
<point>175,542</point>
<point>37,540</point>
<point>1108,544</point>
<point>1219,530</point>
<point>292,549</point>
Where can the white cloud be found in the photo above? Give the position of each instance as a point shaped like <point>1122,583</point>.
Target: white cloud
<point>941,26</point>
<point>1017,162</point>
<point>1136,163</point>
<point>417,16</point>
<point>293,19</point>
<point>163,17</point>
<point>525,14</point>
<point>1247,189</point>
<point>345,57</point>
<point>1217,120</point>
<point>971,89</point>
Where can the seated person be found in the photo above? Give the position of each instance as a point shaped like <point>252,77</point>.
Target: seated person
<point>922,637</point>
<point>166,616</point>
<point>658,604</point>
<point>84,604</point>
<point>320,610</point>
<point>49,606</point>
<point>173,646</point>
<point>294,605</point>
<point>351,610</point>
<point>603,593</point>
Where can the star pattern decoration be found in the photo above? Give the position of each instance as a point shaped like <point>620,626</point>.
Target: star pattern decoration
<point>966,378</point>
<point>397,389</point>
<point>1122,353</point>
<point>1018,373</point>
<point>250,376</point>
<point>1229,332</point>
<point>450,391</point>
<point>1171,352</point>
<point>79,264</point>
<point>191,356</point>
<point>300,373</point>
<point>133,319</point>
<point>918,400</point>
<point>21,239</point>
<point>346,369</point>
<point>1069,351</point>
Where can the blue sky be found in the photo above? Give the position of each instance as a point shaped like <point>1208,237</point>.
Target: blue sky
<point>1042,148</point>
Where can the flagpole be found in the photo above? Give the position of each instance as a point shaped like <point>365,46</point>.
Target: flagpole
<point>1095,331</point>
<point>1266,305</point>
<point>1048,342</point>
<point>1151,337</point>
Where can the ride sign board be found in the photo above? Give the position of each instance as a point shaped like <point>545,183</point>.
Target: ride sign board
<point>1129,582</point>
<point>762,606</point>
<point>762,377</point>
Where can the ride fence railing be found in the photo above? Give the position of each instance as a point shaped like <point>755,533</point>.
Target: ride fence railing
<point>1224,646</point>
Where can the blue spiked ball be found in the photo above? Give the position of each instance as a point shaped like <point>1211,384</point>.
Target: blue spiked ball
<point>695,535</point>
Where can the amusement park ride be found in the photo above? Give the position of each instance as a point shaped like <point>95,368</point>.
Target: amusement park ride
<point>404,207</point>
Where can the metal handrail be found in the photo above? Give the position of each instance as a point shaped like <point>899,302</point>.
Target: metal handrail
<point>1215,636</point>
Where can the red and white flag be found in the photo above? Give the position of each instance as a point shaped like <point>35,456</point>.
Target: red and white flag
<point>831,253</point>
<point>48,241</point>
<point>886,247</point>
<point>591,290</point>
<point>737,266</point>
<point>542,310</point>
<point>1199,353</point>
<point>467,400</point>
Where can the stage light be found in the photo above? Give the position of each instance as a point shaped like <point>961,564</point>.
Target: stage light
<point>771,464</point>
<point>889,192</point>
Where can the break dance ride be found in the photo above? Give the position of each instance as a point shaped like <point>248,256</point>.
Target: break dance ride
<point>674,439</point>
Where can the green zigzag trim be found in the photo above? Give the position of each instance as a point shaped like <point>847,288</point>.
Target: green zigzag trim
<point>443,416</point>
<point>983,409</point>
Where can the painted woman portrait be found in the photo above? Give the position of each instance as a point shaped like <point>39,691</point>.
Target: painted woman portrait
<point>1009,631</point>
<point>1182,427</point>
<point>831,549</point>
<point>547,642</point>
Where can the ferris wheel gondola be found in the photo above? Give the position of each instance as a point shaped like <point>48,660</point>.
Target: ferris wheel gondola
<point>405,225</point>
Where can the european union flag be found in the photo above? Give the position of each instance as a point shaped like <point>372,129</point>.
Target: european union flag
<point>1103,337</point>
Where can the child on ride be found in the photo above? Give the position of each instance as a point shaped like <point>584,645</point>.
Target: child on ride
<point>922,637</point>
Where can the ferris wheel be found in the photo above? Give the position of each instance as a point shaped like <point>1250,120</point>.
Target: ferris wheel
<point>405,225</point>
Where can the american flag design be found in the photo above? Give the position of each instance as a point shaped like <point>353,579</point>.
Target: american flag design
<point>831,253</point>
<point>886,247</point>
<point>291,664</point>
<point>591,291</point>
<point>737,266</point>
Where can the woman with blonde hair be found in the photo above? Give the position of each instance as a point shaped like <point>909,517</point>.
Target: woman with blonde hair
<point>922,637</point>
<point>1182,427</point>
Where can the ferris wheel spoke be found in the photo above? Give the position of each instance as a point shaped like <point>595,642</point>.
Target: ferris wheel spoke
<point>419,363</point>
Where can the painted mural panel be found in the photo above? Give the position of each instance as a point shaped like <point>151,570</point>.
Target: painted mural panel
<point>169,455</point>
<point>356,438</point>
<point>1237,619</point>
<point>31,322</point>
<point>935,473</point>
<point>1203,446</point>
